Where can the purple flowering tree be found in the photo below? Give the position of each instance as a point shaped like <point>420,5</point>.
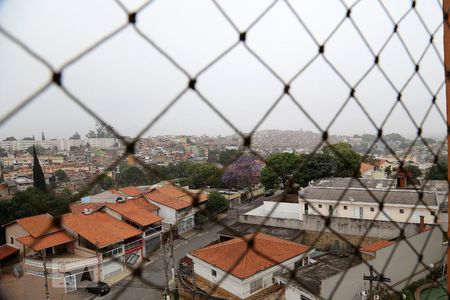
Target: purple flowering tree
<point>243,173</point>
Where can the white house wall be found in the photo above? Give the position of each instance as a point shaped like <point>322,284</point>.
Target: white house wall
<point>169,215</point>
<point>237,286</point>
<point>402,264</point>
<point>391,210</point>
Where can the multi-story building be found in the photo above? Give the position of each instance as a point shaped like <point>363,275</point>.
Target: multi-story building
<point>360,199</point>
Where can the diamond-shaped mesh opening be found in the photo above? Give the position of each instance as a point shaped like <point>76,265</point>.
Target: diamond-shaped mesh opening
<point>374,68</point>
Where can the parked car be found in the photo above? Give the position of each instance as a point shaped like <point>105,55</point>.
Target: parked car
<point>99,288</point>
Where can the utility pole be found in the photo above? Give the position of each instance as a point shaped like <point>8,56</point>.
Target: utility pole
<point>166,263</point>
<point>47,293</point>
<point>173,285</point>
<point>372,277</point>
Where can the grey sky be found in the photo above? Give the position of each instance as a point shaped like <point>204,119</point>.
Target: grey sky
<point>127,82</point>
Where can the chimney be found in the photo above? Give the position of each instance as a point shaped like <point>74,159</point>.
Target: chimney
<point>422,224</point>
<point>401,181</point>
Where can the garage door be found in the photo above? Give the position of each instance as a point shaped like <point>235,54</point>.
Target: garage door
<point>110,268</point>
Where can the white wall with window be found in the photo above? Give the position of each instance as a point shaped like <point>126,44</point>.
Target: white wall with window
<point>367,210</point>
<point>243,288</point>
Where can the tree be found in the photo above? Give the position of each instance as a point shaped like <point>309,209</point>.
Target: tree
<point>131,175</point>
<point>438,171</point>
<point>229,156</point>
<point>216,203</point>
<point>244,172</point>
<point>412,172</point>
<point>279,167</point>
<point>10,139</point>
<point>388,171</point>
<point>39,149</point>
<point>269,178</point>
<point>347,161</point>
<point>206,175</point>
<point>38,174</point>
<point>61,175</point>
<point>314,166</point>
<point>3,152</point>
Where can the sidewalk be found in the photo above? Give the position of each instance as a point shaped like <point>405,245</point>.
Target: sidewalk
<point>117,277</point>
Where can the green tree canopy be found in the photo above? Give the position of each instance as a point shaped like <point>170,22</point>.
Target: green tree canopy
<point>61,175</point>
<point>347,161</point>
<point>438,171</point>
<point>216,202</point>
<point>279,167</point>
<point>229,156</point>
<point>131,175</point>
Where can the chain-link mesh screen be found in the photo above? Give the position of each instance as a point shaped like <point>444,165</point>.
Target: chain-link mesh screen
<point>419,56</point>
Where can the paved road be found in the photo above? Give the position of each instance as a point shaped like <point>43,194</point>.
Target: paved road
<point>133,288</point>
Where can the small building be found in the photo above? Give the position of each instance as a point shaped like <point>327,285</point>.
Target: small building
<point>242,271</point>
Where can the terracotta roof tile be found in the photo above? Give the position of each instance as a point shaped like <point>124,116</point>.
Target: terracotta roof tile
<point>131,191</point>
<point>6,251</point>
<point>78,207</point>
<point>365,167</point>
<point>38,225</point>
<point>134,212</point>
<point>99,228</point>
<point>167,200</point>
<point>144,203</point>
<point>46,241</point>
<point>273,251</point>
<point>178,192</point>
<point>375,246</point>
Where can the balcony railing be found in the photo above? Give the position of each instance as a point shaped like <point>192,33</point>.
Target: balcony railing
<point>60,264</point>
<point>181,214</point>
<point>112,252</point>
<point>152,230</point>
<point>133,244</point>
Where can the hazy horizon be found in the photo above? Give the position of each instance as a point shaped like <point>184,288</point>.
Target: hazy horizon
<point>127,82</point>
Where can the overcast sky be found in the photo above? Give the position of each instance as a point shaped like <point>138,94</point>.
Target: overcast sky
<point>127,82</point>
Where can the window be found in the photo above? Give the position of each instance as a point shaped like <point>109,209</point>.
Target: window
<point>11,240</point>
<point>402,211</point>
<point>214,273</point>
<point>255,285</point>
<point>345,207</point>
<point>320,205</point>
<point>372,209</point>
<point>298,264</point>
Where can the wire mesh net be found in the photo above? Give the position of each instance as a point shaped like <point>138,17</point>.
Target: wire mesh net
<point>317,48</point>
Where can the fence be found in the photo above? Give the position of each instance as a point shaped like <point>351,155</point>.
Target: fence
<point>327,47</point>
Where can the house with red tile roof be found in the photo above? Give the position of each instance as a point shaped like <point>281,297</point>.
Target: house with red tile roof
<point>143,215</point>
<point>176,211</point>
<point>115,242</point>
<point>41,237</point>
<point>245,266</point>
